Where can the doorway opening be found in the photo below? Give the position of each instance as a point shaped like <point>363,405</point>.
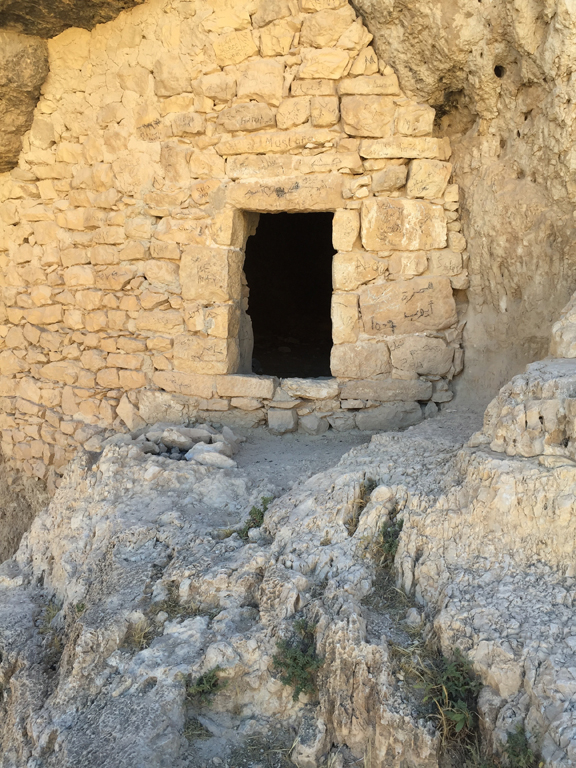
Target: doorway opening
<point>288,269</point>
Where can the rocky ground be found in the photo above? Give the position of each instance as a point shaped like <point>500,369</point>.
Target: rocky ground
<point>140,577</point>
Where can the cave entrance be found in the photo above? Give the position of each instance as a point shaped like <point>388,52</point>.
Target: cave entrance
<point>288,269</point>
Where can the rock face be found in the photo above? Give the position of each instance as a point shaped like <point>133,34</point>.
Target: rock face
<point>23,69</point>
<point>498,75</point>
<point>49,18</point>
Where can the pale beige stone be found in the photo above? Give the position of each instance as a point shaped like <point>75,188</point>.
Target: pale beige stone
<point>218,86</point>
<point>415,120</point>
<point>376,85</point>
<point>325,111</point>
<point>171,76</point>
<point>329,162</point>
<point>41,295</point>
<point>407,263</point>
<point>361,360</point>
<point>389,417</point>
<point>296,193</point>
<point>324,28</point>
<point>366,63</point>
<point>293,112</point>
<point>163,321</point>
<point>231,227</point>
<point>202,192</point>
<point>313,88</point>
<point>445,262</point>
<point>422,355</point>
<point>261,143</point>
<point>89,300</point>
<point>368,115</point>
<point>389,179</point>
<point>129,415</point>
<point>271,10</point>
<point>345,318</point>
<point>355,37</point>
<point>323,63</point>
<point>211,274</point>
<point>188,124</point>
<point>387,390</point>
<point>80,276</point>
<point>428,179</point>
<point>247,117</point>
<point>345,230</point>
<point>234,47</point>
<point>183,231</point>
<point>115,278</point>
<point>260,166</point>
<point>246,386</point>
<point>409,225</point>
<point>65,372</point>
<point>196,354</point>
<point>189,384</point>
<point>263,81</point>
<point>277,38</point>
<point>320,5</point>
<point>456,242</point>
<point>407,147</point>
<point>163,273</point>
<point>311,389</point>
<point>408,306</point>
<point>45,315</point>
<point>352,269</point>
<point>246,403</point>
<point>281,421</point>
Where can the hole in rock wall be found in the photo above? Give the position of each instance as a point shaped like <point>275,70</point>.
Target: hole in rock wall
<point>288,268</point>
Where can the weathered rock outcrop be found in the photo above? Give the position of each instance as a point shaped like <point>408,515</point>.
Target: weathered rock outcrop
<point>47,18</point>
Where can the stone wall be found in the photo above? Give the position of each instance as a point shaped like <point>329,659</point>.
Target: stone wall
<point>158,139</point>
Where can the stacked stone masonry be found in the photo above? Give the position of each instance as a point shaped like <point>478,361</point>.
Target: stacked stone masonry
<point>158,140</point>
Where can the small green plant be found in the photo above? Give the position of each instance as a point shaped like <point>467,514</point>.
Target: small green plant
<point>80,608</point>
<point>518,750</point>
<point>297,659</point>
<point>388,540</point>
<point>204,687</point>
<point>255,517</point>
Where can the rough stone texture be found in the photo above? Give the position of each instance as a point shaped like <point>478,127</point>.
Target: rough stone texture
<point>51,17</point>
<point>498,73</point>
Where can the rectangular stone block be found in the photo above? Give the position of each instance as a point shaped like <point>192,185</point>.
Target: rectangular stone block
<point>445,262</point>
<point>198,354</point>
<point>263,81</point>
<point>191,384</point>
<point>262,143</point>
<point>404,225</point>
<point>387,390</point>
<point>415,120</point>
<point>368,115</point>
<point>247,117</point>
<point>311,389</point>
<point>47,315</point>
<point>323,63</point>
<point>408,306</point>
<point>428,179</point>
<point>345,229</point>
<point>246,386</point>
<point>398,146</point>
<point>234,47</point>
<point>389,417</point>
<point>329,162</point>
<point>313,88</point>
<point>422,355</point>
<point>361,360</point>
<point>325,111</point>
<point>260,166</point>
<point>353,269</point>
<point>345,320</point>
<point>296,193</point>
<point>373,85</point>
<point>211,274</point>
<point>163,321</point>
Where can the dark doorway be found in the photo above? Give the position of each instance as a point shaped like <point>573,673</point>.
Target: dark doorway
<point>289,273</point>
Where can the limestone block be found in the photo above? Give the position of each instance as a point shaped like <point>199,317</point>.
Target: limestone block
<point>428,178</point>
<point>409,225</point>
<point>46,315</point>
<point>366,63</point>
<point>313,424</point>
<point>234,47</point>
<point>421,355</point>
<point>131,379</point>
<point>171,76</point>
<point>263,81</point>
<point>313,88</point>
<point>389,417</point>
<point>408,306</point>
<point>376,85</point>
<point>345,230</point>
<point>355,37</point>
<point>203,191</point>
<point>309,6</point>
<point>345,319</point>
<point>293,112</point>
<point>271,10</point>
<point>326,162</point>
<point>323,29</point>
<point>407,263</point>
<point>66,372</point>
<point>360,361</point>
<point>387,390</point>
<point>163,321</point>
<point>188,124</point>
<point>80,276</point>
<point>352,269</point>
<point>456,242</point>
<point>260,166</point>
<point>246,386</point>
<point>219,86</point>
<point>293,193</point>
<point>323,63</point>
<point>115,278</point>
<point>263,143</point>
<point>409,147</point>
<point>247,117</point>
<point>325,111</point>
<point>222,321</point>
<point>231,227</point>
<point>134,78</point>
<point>282,421</point>
<point>211,274</point>
<point>389,179</point>
<point>10,364</point>
<point>444,262</point>
<point>182,231</point>
<point>415,120</point>
<point>129,415</point>
<point>311,389</point>
<point>206,165</point>
<point>196,354</point>
<point>563,341</point>
<point>368,115</point>
<point>190,384</point>
<point>277,38</point>
<point>93,360</point>
<point>118,360</point>
<point>246,403</point>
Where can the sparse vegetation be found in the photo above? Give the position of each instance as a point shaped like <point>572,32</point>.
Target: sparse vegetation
<point>255,517</point>
<point>80,608</point>
<point>518,750</point>
<point>297,659</point>
<point>201,690</point>
<point>193,729</point>
<point>172,606</point>
<point>359,505</point>
<point>139,635</point>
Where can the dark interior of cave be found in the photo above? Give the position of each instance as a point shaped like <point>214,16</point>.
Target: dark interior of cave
<point>289,272</point>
